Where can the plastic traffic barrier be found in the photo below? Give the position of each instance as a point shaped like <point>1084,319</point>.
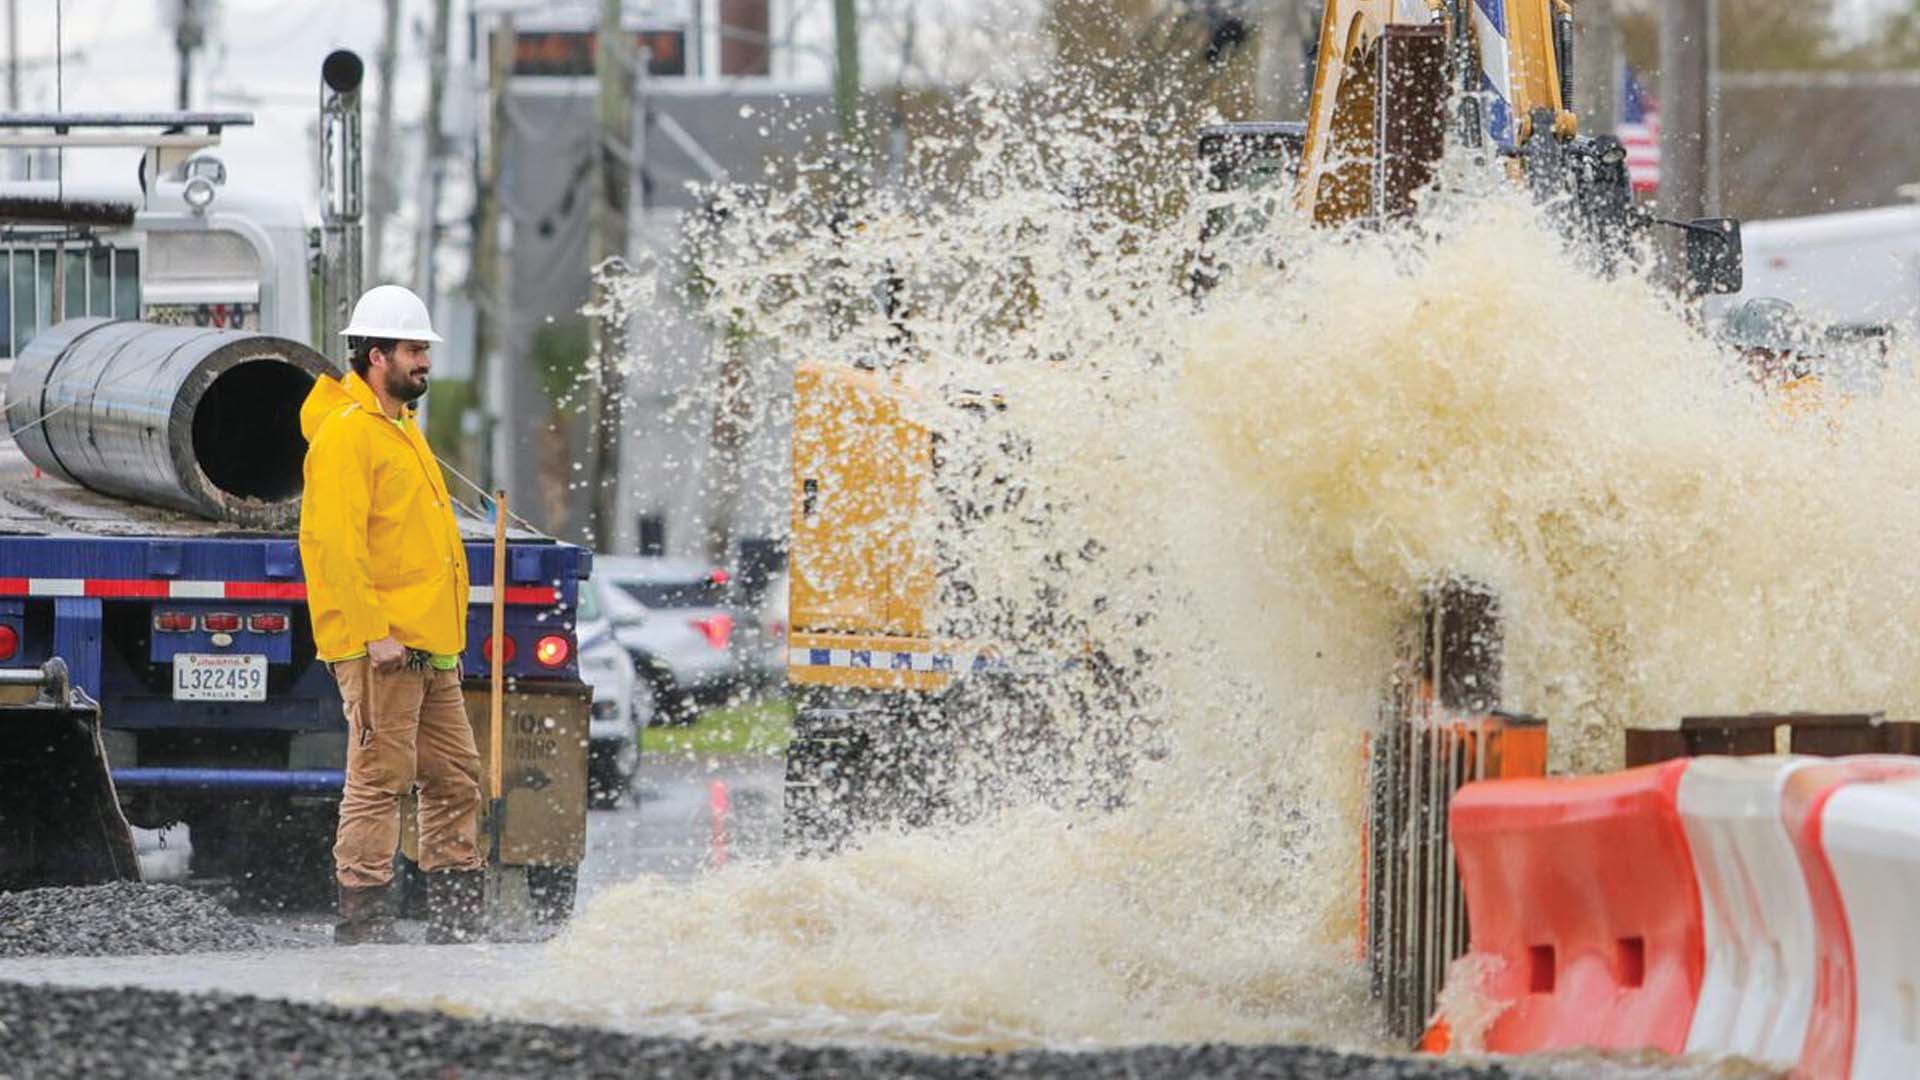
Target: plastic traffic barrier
<point>1580,892</point>
<point>1871,835</point>
<point>1757,990</point>
<point>1860,884</point>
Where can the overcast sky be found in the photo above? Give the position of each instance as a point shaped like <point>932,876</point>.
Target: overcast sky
<point>264,58</point>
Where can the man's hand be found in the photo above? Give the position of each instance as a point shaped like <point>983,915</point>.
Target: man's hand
<point>387,654</point>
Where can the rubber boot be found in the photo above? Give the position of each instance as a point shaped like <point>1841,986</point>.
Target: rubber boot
<point>456,906</point>
<point>366,916</point>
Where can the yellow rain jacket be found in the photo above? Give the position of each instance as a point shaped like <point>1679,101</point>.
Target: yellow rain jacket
<point>378,540</point>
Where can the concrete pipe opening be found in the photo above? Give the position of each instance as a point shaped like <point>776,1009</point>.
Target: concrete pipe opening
<point>246,430</point>
<point>190,418</point>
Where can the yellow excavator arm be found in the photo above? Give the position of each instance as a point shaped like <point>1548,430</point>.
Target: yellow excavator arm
<point>1396,80</point>
<point>1382,79</point>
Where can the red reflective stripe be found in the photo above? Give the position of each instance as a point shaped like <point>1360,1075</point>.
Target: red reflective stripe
<point>158,589</point>
<point>266,590</point>
<point>106,587</point>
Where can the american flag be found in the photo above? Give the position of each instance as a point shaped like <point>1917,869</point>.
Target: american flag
<point>1639,129</point>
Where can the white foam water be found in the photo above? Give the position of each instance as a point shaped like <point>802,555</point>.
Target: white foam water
<point>1237,502</point>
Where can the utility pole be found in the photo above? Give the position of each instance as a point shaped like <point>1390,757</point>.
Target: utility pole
<point>16,159</point>
<point>1687,41</point>
<point>382,198</point>
<point>13,55</point>
<point>189,34</point>
<point>639,245</point>
<point>607,229</point>
<point>1280,82</point>
<point>846,73</point>
<point>1596,67</point>
<point>489,271</point>
<point>426,246</point>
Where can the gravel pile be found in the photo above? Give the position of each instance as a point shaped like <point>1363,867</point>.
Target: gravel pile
<point>123,919</point>
<point>108,1034</point>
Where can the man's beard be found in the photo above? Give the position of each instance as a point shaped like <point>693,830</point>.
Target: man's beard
<point>402,388</point>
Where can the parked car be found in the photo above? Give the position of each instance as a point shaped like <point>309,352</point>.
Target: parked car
<point>682,643</point>
<point>622,704</point>
<point>767,651</point>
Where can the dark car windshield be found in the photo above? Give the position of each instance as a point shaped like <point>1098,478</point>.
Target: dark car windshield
<point>698,593</point>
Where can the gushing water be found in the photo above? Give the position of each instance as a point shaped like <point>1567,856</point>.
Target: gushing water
<point>1236,502</point>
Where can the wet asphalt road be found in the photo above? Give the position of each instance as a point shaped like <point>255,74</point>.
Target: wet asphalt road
<point>686,816</point>
<point>177,1016</point>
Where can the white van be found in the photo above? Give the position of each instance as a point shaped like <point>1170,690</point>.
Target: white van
<point>1850,271</point>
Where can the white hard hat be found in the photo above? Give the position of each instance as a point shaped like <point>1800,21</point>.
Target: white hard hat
<point>391,311</point>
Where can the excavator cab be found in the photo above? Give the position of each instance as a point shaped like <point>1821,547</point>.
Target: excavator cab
<point>1251,155</point>
<point>1262,158</point>
<point>60,820</point>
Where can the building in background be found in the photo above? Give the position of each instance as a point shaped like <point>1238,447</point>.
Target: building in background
<point>730,86</point>
<point>1811,142</point>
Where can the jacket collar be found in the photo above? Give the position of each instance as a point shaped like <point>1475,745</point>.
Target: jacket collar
<point>363,396</point>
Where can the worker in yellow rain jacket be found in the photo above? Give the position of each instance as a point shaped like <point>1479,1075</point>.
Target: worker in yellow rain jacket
<point>387,589</point>
<point>1780,350</point>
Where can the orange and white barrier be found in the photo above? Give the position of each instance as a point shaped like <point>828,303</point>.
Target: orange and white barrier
<point>1832,1030</point>
<point>1580,892</point>
<point>1758,989</point>
<point>1750,906</point>
<point>1871,836</point>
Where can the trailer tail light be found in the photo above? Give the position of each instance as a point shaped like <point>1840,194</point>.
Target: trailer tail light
<point>221,623</point>
<point>267,624</point>
<point>9,642</point>
<point>718,629</point>
<point>552,650</point>
<point>173,622</point>
<point>486,649</point>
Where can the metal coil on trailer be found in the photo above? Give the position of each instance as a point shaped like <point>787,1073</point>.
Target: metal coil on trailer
<point>200,420</point>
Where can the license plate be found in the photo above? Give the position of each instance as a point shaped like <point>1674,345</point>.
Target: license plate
<point>220,677</point>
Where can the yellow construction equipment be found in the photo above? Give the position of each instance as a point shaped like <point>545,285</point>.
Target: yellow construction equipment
<point>1397,83</point>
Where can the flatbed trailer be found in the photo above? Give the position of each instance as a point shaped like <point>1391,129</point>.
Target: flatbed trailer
<point>193,637</point>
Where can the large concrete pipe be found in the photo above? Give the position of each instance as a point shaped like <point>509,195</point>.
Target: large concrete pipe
<point>206,421</point>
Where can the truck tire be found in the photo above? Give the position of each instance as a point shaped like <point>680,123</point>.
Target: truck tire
<point>553,889</point>
<point>277,854</point>
<point>824,783</point>
<point>611,772</point>
<point>668,703</point>
<point>884,760</point>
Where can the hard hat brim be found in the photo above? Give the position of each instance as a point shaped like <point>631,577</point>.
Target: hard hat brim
<point>397,335</point>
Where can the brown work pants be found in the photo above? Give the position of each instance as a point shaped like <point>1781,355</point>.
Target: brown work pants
<point>405,726</point>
